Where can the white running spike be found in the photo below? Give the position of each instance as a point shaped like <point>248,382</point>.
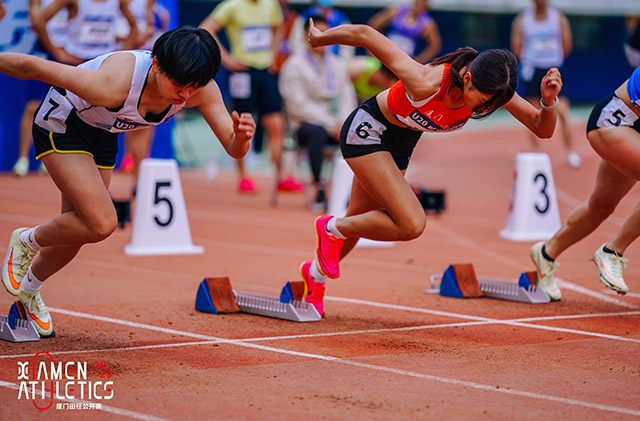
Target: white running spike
<point>264,305</point>
<point>24,331</point>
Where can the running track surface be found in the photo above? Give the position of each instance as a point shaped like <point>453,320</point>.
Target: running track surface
<point>385,350</point>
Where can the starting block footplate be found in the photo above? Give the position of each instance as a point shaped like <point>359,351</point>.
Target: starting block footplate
<point>459,281</point>
<point>265,305</point>
<point>512,292</point>
<point>14,329</point>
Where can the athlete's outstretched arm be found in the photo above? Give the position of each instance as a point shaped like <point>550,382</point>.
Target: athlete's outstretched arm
<point>234,132</point>
<point>107,86</point>
<point>409,71</point>
<point>541,122</point>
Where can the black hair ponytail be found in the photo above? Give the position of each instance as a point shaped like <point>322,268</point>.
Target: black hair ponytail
<point>459,59</point>
<point>493,72</point>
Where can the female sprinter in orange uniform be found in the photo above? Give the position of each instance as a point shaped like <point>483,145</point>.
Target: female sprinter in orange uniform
<point>377,139</point>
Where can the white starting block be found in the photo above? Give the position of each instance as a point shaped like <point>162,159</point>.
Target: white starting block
<point>160,223</point>
<point>13,329</point>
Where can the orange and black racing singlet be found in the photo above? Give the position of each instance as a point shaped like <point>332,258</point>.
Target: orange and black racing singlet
<point>431,114</point>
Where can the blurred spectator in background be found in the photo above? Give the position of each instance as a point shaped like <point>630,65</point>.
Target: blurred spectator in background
<point>541,39</point>
<point>632,44</point>
<point>319,96</point>
<point>152,20</point>
<point>69,31</point>
<point>333,16</point>
<point>369,76</point>
<point>254,31</point>
<point>57,30</point>
<point>91,29</point>
<point>406,26</point>
<point>284,48</point>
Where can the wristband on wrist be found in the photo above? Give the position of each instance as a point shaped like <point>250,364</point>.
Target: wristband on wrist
<point>549,107</point>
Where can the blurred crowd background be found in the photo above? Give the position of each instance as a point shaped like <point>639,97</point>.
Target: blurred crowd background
<point>601,32</point>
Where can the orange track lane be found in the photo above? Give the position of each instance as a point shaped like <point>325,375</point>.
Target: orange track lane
<point>385,350</point>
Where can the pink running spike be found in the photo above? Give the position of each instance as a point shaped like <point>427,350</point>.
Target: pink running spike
<point>328,249</point>
<point>309,283</point>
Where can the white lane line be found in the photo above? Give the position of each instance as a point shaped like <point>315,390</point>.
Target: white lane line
<point>105,408</point>
<point>520,322</point>
<point>326,358</point>
<point>405,308</point>
<point>352,301</point>
<point>494,321</point>
<point>515,322</point>
<point>575,287</point>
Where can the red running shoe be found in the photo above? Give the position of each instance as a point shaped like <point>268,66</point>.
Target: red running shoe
<point>327,249</point>
<point>309,283</point>
<point>247,186</point>
<point>314,292</point>
<point>291,185</point>
<point>126,165</point>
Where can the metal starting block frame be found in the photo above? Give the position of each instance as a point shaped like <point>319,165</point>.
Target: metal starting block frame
<point>216,296</point>
<point>460,281</point>
<point>264,305</point>
<point>14,329</point>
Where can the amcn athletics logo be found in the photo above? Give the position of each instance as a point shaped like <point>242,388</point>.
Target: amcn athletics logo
<point>77,384</point>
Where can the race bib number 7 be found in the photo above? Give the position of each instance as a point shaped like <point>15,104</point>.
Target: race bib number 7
<point>53,112</point>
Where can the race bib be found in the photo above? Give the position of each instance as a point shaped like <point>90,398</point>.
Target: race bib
<point>615,114</point>
<point>121,125</point>
<point>240,85</point>
<point>256,38</point>
<point>365,130</point>
<point>53,112</point>
<point>544,47</point>
<point>96,30</point>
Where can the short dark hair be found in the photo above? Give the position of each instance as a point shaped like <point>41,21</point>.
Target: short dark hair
<point>188,56</point>
<point>493,72</point>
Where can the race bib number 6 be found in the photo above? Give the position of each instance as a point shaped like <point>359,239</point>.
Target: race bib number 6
<point>365,130</point>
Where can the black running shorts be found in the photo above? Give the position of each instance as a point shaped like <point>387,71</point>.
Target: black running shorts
<point>72,134</point>
<point>367,131</point>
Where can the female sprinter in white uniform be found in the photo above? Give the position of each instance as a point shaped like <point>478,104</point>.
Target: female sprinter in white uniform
<point>75,133</point>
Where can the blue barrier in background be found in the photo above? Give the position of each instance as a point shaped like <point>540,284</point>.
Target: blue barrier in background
<point>16,36</point>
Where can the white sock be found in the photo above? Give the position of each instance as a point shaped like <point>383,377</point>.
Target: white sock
<point>30,284</point>
<point>28,238</point>
<point>333,230</point>
<point>316,275</point>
